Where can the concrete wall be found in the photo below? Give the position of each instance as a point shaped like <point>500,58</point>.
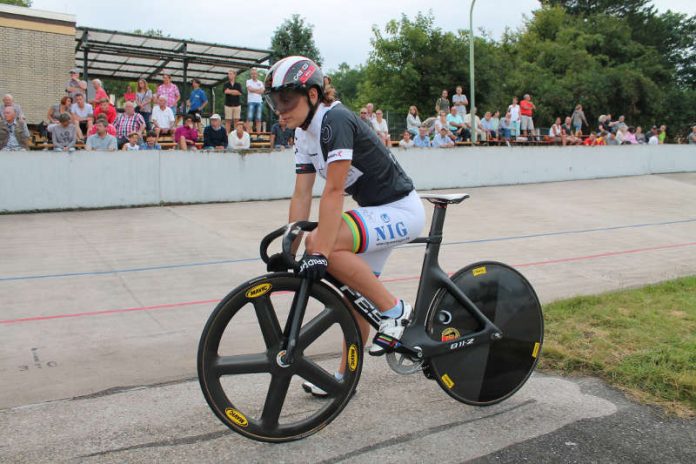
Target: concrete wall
<point>31,181</point>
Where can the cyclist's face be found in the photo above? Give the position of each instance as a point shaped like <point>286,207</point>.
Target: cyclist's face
<point>291,106</point>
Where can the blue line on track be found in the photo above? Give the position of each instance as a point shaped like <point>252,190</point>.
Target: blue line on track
<point>246,260</point>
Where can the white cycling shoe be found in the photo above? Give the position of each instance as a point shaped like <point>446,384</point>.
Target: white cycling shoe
<point>309,387</point>
<point>390,331</point>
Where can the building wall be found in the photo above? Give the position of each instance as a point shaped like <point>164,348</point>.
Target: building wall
<point>37,49</point>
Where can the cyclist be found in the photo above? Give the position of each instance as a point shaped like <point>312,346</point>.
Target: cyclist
<point>354,245</point>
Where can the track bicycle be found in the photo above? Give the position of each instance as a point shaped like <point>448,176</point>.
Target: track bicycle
<point>477,333</point>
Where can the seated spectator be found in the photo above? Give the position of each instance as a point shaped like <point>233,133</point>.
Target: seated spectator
<point>640,136</point>
<point>83,114</point>
<point>281,135</point>
<point>602,138</point>
<point>8,100</point>
<point>488,126</point>
<point>133,142</point>
<point>239,139</point>
<point>128,122</point>
<point>555,131</point>
<point>615,126</point>
<point>439,123</point>
<point>380,126</point>
<point>186,136</point>
<point>110,129</point>
<point>422,140</point>
<point>611,139</point>
<point>151,142</point>
<point>370,112</point>
<point>455,124</point>
<point>480,133</point>
<point>365,117</point>
<point>197,101</point>
<point>662,134</point>
<point>568,133</point>
<point>506,126</point>
<point>495,123</point>
<point>105,107</point>
<point>692,136</point>
<point>56,110</point>
<point>101,141</point>
<point>413,121</point>
<point>406,141</point>
<point>14,133</point>
<point>99,93</point>
<point>214,135</point>
<point>442,140</point>
<point>605,123</point>
<point>628,136</point>
<point>129,95</point>
<point>63,133</point>
<point>163,117</point>
<point>654,136</point>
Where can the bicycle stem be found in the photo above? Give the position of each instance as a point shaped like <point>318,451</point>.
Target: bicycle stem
<point>294,322</point>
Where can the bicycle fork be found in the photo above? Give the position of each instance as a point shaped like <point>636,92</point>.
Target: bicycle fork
<point>294,322</point>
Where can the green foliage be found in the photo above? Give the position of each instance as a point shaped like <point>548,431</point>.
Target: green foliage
<point>151,32</point>
<point>294,37</point>
<point>346,81</point>
<point>26,3</point>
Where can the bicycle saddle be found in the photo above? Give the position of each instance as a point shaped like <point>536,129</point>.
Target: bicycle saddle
<point>444,199</point>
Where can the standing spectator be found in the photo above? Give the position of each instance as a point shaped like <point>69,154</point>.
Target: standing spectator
<point>99,93</point>
<point>654,136</point>
<point>381,127</point>
<point>105,107</point>
<point>495,123</point>
<point>365,117</point>
<point>233,105</point>
<point>75,85</point>
<point>110,129</point>
<point>555,131</point>
<point>64,133</point>
<point>506,126</point>
<point>406,141</point>
<point>129,95</point>
<point>413,122</point>
<point>197,101</point>
<point>14,133</point>
<point>605,123</point>
<point>422,140</point>
<point>162,117</point>
<point>455,123</point>
<point>662,134</point>
<point>8,100</point>
<point>169,91</point>
<point>640,136</point>
<point>239,139</point>
<point>281,136</point>
<point>214,135</point>
<point>132,144</point>
<point>527,112</point>
<point>442,140</point>
<point>460,101</point>
<point>370,112</point>
<point>151,142</point>
<point>442,103</point>
<point>514,110</point>
<point>186,135</point>
<point>143,101</point>
<point>488,126</point>
<point>101,141</point>
<point>129,122</point>
<point>692,136</point>
<point>83,113</point>
<point>577,119</point>
<point>619,124</point>
<point>56,110</point>
<point>255,89</point>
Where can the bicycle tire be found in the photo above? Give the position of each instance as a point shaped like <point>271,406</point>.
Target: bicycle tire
<point>230,382</point>
<point>488,373</point>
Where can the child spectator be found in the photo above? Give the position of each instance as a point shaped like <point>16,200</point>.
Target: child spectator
<point>214,135</point>
<point>406,141</point>
<point>132,144</point>
<point>186,136</point>
<point>63,134</point>
<point>151,142</point>
<point>239,139</point>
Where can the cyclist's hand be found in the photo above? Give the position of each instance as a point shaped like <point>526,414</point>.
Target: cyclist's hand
<point>276,263</point>
<point>312,266</point>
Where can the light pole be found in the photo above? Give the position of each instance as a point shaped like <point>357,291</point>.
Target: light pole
<point>472,111</point>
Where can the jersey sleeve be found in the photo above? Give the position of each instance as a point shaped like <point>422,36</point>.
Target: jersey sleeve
<point>337,136</point>
<point>303,162</point>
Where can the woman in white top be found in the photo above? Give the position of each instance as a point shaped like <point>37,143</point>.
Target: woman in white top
<point>238,139</point>
<point>380,126</point>
<point>555,130</point>
<point>413,122</point>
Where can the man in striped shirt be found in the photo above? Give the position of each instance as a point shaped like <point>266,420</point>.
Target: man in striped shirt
<point>127,122</point>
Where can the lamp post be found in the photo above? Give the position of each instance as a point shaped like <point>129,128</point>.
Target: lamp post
<point>472,111</point>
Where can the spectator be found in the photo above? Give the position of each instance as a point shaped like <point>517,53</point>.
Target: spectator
<point>555,131</point>
<point>370,112</point>
<point>439,123</point>
<point>239,139</point>
<point>151,142</point>
<point>129,95</point>
<point>406,141</point>
<point>365,117</point>
<point>55,111</point>
<point>455,124</point>
<point>255,89</point>
<point>380,126</point>
<point>640,136</point>
<point>233,106</point>
<point>577,119</point>
<point>99,93</point>
<point>495,122</point>
<point>605,123</point>
<point>662,134</point>
<point>105,107</point>
<point>460,101</point>
<point>527,112</point>
<point>514,110</point>
<point>422,140</point>
<point>488,126</point>
<point>480,133</point>
<point>197,101</point>
<point>591,140</point>
<point>506,126</point>
<point>162,117</point>
<point>186,135</point>
<point>83,113</point>
<point>169,91</point>
<point>143,101</point>
<point>132,144</point>
<point>75,85</point>
<point>612,140</point>
<point>101,141</point>
<point>692,136</point>
<point>281,135</point>
<point>128,122</point>
<point>8,100</point>
<point>214,135</point>
<point>629,136</point>
<point>110,129</point>
<point>413,121</point>
<point>14,133</point>
<point>568,134</point>
<point>442,103</point>
<point>63,133</point>
<point>654,138</point>
<point>615,126</point>
<point>442,139</point>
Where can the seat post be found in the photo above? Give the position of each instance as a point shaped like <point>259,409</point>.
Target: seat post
<point>437,224</point>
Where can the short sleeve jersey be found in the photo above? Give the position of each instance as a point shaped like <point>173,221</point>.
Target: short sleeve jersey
<point>335,134</point>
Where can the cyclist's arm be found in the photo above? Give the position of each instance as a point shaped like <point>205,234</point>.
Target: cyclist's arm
<point>301,202</point>
<point>331,207</point>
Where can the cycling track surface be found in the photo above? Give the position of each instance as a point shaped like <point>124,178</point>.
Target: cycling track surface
<point>100,314</point>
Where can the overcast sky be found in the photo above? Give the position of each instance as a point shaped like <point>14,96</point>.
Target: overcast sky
<point>342,29</point>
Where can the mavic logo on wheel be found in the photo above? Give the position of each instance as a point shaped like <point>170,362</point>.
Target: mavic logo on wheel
<point>468,341</point>
<point>352,358</point>
<point>257,291</point>
<point>236,417</point>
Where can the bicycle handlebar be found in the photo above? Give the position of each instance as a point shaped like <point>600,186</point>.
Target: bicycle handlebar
<point>289,232</point>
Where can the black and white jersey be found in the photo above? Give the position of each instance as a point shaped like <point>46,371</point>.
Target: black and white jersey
<point>336,133</point>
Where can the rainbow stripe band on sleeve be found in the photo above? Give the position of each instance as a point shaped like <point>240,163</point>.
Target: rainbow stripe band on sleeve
<point>357,226</point>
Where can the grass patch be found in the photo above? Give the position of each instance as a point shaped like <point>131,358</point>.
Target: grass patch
<point>642,341</point>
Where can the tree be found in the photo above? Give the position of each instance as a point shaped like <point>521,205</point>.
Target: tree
<point>294,37</point>
<point>26,3</point>
<point>151,32</point>
<point>346,81</point>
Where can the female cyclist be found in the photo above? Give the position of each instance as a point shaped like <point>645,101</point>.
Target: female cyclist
<point>353,246</point>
